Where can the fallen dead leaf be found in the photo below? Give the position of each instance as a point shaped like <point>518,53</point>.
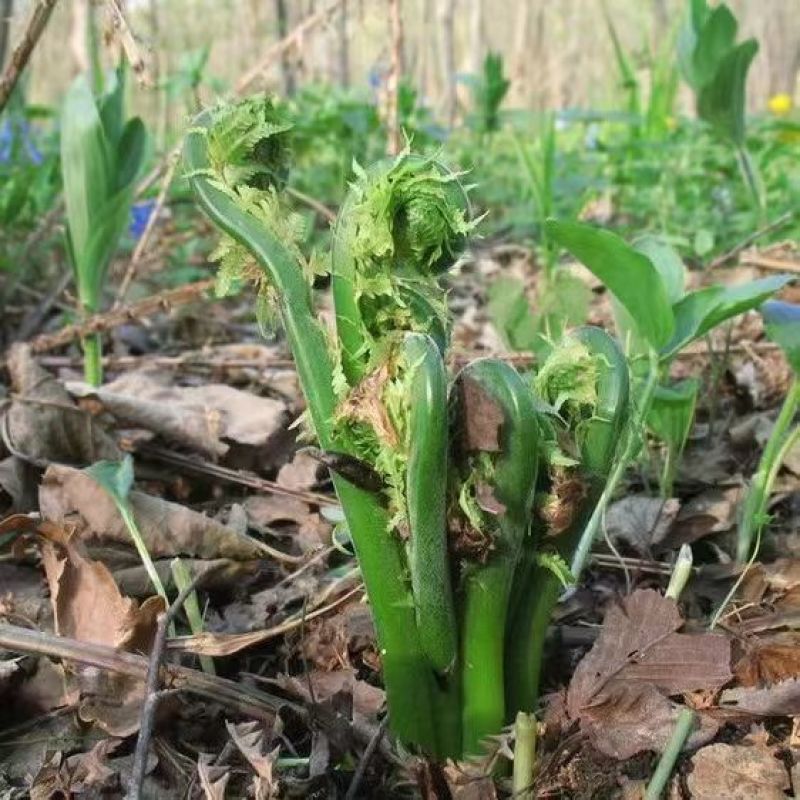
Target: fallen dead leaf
<point>88,606</point>
<point>737,773</point>
<point>203,418</point>
<point>168,529</point>
<point>619,690</point>
<point>769,660</point>
<point>42,422</point>
<point>780,699</point>
<point>468,782</point>
<point>254,742</point>
<point>712,511</point>
<point>213,779</point>
<point>641,521</point>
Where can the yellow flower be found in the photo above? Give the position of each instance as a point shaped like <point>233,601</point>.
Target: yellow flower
<point>780,104</point>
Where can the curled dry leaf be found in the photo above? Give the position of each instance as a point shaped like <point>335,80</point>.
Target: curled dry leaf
<point>203,418</point>
<point>469,782</point>
<point>619,690</point>
<point>88,606</point>
<point>712,511</point>
<point>736,772</point>
<point>254,743</point>
<point>213,779</point>
<point>641,521</point>
<point>168,529</point>
<point>43,424</point>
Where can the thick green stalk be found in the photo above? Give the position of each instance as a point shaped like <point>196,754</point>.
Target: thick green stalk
<point>487,587</point>
<point>426,496</point>
<point>407,676</point>
<point>93,359</point>
<point>755,504</point>
<point>597,440</point>
<point>525,731</point>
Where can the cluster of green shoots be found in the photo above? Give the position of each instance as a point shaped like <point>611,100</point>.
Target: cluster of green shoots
<point>472,499</point>
<point>464,495</point>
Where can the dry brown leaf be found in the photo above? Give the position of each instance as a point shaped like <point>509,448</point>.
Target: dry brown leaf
<point>780,699</point>
<point>79,775</point>
<point>213,779</point>
<point>641,521</point>
<point>737,773</point>
<point>203,417</point>
<point>468,782</point>
<point>368,700</point>
<point>301,473</point>
<point>713,511</point>
<point>17,489</point>
<point>768,661</point>
<point>44,424</point>
<point>88,606</point>
<point>619,689</point>
<point>168,529</point>
<point>253,742</point>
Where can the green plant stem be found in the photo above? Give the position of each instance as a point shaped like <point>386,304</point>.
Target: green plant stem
<point>751,178</point>
<point>526,638</point>
<point>755,505</point>
<point>671,460</point>
<point>666,763</point>
<point>182,578</point>
<point>93,359</point>
<point>632,443</point>
<point>408,679</point>
<point>681,573</point>
<point>483,636</point>
<point>525,731</point>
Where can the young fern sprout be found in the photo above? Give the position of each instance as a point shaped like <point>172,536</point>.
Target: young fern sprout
<point>441,508</point>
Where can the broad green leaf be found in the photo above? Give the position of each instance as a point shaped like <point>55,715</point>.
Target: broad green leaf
<point>703,242</point>
<point>86,162</point>
<point>672,412</point>
<point>666,260</point>
<point>721,102</point>
<point>715,40</point>
<point>701,311</point>
<point>782,321</point>
<point>628,274</point>
<point>511,314</point>
<point>130,152</point>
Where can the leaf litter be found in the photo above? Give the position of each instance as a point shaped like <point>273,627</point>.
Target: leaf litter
<point>297,626</point>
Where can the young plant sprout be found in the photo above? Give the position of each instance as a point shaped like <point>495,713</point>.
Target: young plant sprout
<point>782,322</point>
<point>101,155</point>
<point>463,498</point>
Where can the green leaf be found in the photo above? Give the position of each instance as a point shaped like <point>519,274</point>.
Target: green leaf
<point>628,274</point>
<point>666,260</point>
<point>782,321</point>
<point>701,311</point>
<point>703,242</point>
<point>130,152</point>
<point>721,102</point>
<point>715,40</point>
<point>116,477</point>
<point>86,162</point>
<point>672,412</point>
<point>511,315</point>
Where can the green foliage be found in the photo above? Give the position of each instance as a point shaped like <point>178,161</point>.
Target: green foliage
<point>442,528</point>
<point>101,155</point>
<point>488,92</point>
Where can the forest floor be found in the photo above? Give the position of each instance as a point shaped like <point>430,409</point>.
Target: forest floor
<point>280,695</point>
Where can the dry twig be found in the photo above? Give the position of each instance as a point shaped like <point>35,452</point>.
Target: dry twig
<point>782,220</point>
<point>163,301</point>
<point>119,25</point>
<point>22,52</point>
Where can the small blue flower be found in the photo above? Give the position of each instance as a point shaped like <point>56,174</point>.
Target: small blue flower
<point>140,216</point>
<point>12,134</point>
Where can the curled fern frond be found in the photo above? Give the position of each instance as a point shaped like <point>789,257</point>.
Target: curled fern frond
<point>404,222</point>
